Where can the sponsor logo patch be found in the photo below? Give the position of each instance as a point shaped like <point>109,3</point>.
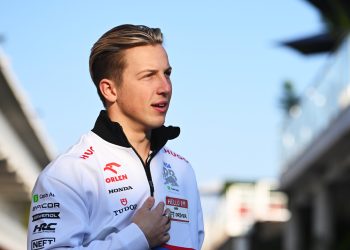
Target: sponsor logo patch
<point>170,180</point>
<point>53,215</point>
<point>111,167</point>
<point>41,243</point>
<point>37,197</point>
<point>124,202</point>
<point>118,190</point>
<point>168,151</point>
<point>45,205</point>
<point>111,174</point>
<point>90,151</point>
<point>44,227</point>
<point>178,209</point>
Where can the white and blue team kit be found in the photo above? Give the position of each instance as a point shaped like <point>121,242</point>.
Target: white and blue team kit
<point>86,198</point>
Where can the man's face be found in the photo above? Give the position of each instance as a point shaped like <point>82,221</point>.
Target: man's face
<point>145,92</point>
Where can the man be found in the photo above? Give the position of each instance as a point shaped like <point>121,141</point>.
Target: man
<point>119,187</point>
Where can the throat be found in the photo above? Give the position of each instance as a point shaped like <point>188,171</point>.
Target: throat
<point>143,150</point>
<point>140,141</point>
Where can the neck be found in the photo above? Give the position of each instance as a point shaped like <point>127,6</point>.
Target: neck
<point>140,139</point>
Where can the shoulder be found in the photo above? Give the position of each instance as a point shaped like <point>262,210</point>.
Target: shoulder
<point>168,153</point>
<point>74,161</point>
<point>177,162</point>
<point>178,172</point>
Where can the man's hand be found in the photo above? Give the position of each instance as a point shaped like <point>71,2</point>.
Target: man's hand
<point>155,223</point>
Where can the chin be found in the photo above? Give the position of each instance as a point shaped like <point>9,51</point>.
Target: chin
<point>157,124</point>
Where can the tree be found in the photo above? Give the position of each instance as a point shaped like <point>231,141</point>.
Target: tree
<point>289,99</point>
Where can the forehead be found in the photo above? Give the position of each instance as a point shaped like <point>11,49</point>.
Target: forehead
<point>146,57</point>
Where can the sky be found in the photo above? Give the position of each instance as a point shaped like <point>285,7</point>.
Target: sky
<point>228,70</point>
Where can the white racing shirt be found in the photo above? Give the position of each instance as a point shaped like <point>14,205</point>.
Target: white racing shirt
<point>86,198</point>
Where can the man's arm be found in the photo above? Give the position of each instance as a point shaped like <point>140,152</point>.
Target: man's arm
<point>61,220</point>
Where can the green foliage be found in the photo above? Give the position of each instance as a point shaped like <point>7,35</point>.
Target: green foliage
<point>289,98</point>
<point>335,15</point>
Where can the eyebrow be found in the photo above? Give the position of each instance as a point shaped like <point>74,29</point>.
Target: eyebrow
<point>153,70</point>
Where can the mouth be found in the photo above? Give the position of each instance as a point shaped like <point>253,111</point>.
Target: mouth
<point>161,107</point>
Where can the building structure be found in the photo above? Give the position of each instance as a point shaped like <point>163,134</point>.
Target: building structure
<point>24,151</point>
<point>316,160</point>
<point>237,207</point>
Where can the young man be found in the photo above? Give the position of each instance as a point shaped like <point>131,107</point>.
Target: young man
<point>119,187</point>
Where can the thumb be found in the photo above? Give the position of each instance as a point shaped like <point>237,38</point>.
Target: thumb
<point>148,204</point>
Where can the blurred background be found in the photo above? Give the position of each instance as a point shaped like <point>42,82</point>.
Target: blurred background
<point>261,93</point>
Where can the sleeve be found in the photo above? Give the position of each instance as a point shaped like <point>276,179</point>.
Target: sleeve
<point>199,214</point>
<point>59,219</point>
<point>200,224</point>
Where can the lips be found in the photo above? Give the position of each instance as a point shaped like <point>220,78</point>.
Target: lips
<point>160,106</point>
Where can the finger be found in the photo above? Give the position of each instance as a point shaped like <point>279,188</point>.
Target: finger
<point>168,215</point>
<point>160,208</point>
<point>167,212</point>
<point>167,227</point>
<point>166,237</point>
<point>148,204</point>
<point>164,220</point>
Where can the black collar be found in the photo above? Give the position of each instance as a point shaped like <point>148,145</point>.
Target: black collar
<point>112,132</point>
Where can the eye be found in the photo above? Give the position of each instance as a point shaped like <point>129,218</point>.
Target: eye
<point>148,75</point>
<point>167,73</point>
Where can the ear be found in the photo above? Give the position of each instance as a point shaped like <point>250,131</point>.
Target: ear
<point>108,90</point>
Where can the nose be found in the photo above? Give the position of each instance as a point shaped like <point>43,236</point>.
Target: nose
<point>165,87</point>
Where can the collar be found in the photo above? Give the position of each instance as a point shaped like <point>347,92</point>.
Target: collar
<point>113,133</point>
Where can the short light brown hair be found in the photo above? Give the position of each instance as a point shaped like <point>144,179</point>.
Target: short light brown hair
<point>107,54</point>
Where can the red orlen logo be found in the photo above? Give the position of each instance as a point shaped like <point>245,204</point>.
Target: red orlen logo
<point>87,153</point>
<point>111,174</point>
<point>124,201</point>
<point>109,166</point>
